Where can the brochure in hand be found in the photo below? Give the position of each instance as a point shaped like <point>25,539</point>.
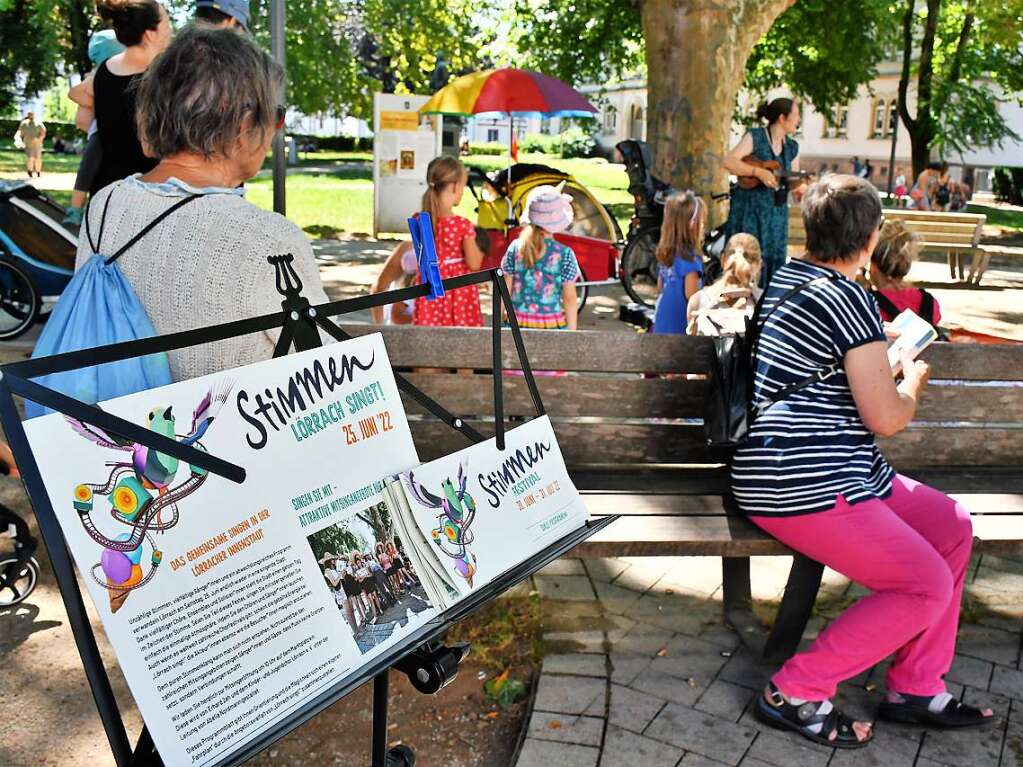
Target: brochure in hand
<point>230,606</point>
<point>914,335</point>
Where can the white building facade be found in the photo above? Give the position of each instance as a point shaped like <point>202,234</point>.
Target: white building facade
<point>860,129</point>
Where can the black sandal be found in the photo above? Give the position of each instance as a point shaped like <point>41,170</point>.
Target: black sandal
<point>914,710</point>
<point>781,714</point>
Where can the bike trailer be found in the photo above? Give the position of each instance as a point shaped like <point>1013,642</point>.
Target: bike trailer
<point>32,234</point>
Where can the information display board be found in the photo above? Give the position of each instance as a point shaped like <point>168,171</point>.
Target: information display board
<point>403,145</point>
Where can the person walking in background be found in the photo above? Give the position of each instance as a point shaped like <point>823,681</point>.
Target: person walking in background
<point>679,264</point>
<point>457,251</point>
<point>897,249</point>
<point>540,271</point>
<point>233,14</point>
<point>723,307</point>
<point>102,45</point>
<point>811,475</point>
<point>764,210</point>
<point>868,170</point>
<point>30,135</point>
<point>857,167</point>
<point>143,27</point>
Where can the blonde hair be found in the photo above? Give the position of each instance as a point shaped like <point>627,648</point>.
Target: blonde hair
<point>531,244</point>
<point>741,261</point>
<point>684,217</point>
<point>441,172</point>
<point>897,248</point>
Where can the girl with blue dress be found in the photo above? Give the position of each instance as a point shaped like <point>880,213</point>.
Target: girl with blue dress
<point>764,211</point>
<point>680,266</point>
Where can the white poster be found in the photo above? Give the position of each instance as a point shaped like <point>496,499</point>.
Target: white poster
<point>403,146</point>
<point>230,605</point>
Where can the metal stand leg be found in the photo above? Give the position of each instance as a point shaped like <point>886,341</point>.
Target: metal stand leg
<point>737,603</point>
<point>380,719</point>
<point>145,754</point>
<point>796,606</point>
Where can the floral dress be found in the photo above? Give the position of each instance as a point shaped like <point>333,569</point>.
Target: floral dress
<point>536,290</point>
<point>456,308</point>
<point>754,211</point>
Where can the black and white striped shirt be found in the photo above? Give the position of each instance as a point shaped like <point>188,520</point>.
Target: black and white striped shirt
<point>808,448</point>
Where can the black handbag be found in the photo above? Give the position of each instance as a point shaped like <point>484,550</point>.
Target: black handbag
<point>729,409</point>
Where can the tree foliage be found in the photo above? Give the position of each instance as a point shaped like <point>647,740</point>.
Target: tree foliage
<point>805,51</point>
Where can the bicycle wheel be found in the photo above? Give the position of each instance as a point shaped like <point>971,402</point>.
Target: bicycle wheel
<point>19,301</point>
<point>639,266</point>
<point>22,585</point>
<point>582,292</point>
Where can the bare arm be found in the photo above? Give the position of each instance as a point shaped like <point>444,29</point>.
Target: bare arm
<point>884,407</point>
<point>472,253</point>
<point>692,284</point>
<point>390,272</point>
<point>733,163</point>
<point>571,304</point>
<point>82,94</point>
<point>509,280</point>
<point>84,117</point>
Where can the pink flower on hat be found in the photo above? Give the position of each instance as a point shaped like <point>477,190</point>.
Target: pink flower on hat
<point>549,208</point>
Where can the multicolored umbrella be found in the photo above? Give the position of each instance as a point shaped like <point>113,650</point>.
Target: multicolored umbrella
<point>509,92</point>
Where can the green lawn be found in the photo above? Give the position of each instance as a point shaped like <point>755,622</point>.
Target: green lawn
<point>13,161</point>
<point>1000,217</point>
<point>339,199</point>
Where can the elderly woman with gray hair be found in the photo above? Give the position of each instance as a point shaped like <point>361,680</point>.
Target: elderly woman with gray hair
<point>208,107</point>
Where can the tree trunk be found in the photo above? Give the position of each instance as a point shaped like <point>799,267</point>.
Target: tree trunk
<point>696,52</point>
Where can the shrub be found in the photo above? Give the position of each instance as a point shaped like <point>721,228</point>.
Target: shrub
<point>336,143</point>
<point>493,147</point>
<point>575,142</point>
<point>535,143</point>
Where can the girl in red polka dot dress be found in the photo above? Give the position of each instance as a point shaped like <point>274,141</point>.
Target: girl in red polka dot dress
<point>457,251</point>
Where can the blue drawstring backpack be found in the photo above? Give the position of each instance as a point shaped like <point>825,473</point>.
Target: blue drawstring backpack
<point>99,307</point>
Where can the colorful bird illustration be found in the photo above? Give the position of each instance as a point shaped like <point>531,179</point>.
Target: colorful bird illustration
<point>458,510</point>
<point>153,469</point>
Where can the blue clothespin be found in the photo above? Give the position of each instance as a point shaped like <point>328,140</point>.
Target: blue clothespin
<point>421,228</point>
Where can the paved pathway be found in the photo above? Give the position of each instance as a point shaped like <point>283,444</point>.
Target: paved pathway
<point>641,672</point>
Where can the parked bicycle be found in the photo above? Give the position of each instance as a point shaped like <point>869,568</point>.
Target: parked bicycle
<point>639,261</point>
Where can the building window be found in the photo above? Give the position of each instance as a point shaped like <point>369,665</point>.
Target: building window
<point>637,129</point>
<point>885,117</point>
<point>836,123</point>
<point>610,119</point>
<point>893,116</point>
<point>493,136</point>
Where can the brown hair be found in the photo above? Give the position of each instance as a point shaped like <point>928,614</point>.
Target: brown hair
<point>684,217</point>
<point>131,19</point>
<point>441,172</point>
<point>840,213</point>
<point>531,244</point>
<point>896,250</point>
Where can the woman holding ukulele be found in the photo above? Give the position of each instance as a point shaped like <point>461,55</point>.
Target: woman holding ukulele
<point>763,210</point>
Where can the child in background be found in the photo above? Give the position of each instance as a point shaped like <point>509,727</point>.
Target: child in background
<point>900,188</point>
<point>102,45</point>
<point>400,267</point>
<point>540,271</point>
<point>680,271</point>
<point>457,251</point>
<point>897,249</point>
<point>723,307</point>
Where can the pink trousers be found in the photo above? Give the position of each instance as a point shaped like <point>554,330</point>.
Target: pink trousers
<point>911,550</point>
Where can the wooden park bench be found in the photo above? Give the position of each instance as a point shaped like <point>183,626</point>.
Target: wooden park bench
<point>635,447</point>
<point>954,235</point>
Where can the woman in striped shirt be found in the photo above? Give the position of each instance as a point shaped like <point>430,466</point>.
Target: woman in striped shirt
<point>811,475</point>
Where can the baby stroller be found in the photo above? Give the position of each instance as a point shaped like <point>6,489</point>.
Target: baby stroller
<point>19,570</point>
<point>37,256</point>
<point>593,236</point>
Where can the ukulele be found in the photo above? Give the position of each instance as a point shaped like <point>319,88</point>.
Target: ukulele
<point>752,182</point>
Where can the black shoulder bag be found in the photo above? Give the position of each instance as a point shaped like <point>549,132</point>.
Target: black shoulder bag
<point>729,409</point>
